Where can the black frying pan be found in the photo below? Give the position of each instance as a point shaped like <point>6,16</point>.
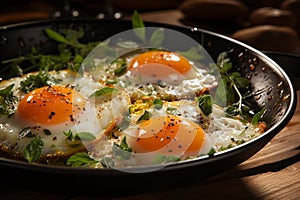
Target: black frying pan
<point>18,39</point>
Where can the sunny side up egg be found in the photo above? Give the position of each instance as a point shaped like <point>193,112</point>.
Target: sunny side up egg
<point>158,73</point>
<point>177,129</point>
<point>62,115</point>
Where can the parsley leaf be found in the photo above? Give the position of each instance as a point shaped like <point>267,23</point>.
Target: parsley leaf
<point>160,159</point>
<point>7,101</point>
<point>80,159</point>
<point>33,82</point>
<point>205,104</point>
<point>257,117</point>
<point>33,150</point>
<point>138,25</point>
<point>122,150</point>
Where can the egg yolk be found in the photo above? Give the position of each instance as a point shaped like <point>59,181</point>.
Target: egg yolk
<point>163,62</point>
<point>51,105</point>
<point>170,135</point>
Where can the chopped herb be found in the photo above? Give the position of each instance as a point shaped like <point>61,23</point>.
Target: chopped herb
<point>80,159</point>
<point>69,53</point>
<point>122,150</point>
<point>86,136</point>
<point>107,162</point>
<point>158,104</point>
<point>107,91</point>
<point>122,67</point>
<point>147,115</point>
<point>82,136</point>
<point>173,111</point>
<point>205,104</point>
<point>211,152</point>
<point>160,159</point>
<point>33,150</point>
<point>47,132</point>
<point>33,82</point>
<point>7,101</point>
<point>125,121</point>
<point>257,117</point>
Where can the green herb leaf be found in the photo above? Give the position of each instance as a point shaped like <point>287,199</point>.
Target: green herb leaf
<point>55,36</point>
<point>225,67</point>
<point>7,101</point>
<point>242,82</point>
<point>158,104</point>
<point>122,150</point>
<point>157,38</point>
<point>107,91</point>
<point>147,115</point>
<point>33,150</point>
<point>80,159</point>
<point>125,121</point>
<point>205,104</point>
<point>107,162</point>
<point>33,82</point>
<point>138,26</point>
<point>47,132</point>
<point>257,117</point>
<point>172,111</point>
<point>211,152</point>
<point>160,159</point>
<point>194,53</point>
<point>122,67</point>
<point>5,92</point>
<point>86,136</point>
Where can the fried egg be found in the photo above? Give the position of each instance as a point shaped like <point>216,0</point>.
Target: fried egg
<point>176,129</point>
<point>63,115</point>
<point>158,73</point>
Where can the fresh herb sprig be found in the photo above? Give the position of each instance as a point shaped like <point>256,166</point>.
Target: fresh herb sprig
<point>236,90</point>
<point>69,53</point>
<point>41,79</point>
<point>7,100</point>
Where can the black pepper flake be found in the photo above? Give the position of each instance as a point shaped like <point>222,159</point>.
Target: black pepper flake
<point>179,146</point>
<point>72,118</point>
<point>51,115</point>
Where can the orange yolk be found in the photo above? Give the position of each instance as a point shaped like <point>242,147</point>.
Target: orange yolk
<point>162,62</point>
<point>170,135</point>
<point>51,105</point>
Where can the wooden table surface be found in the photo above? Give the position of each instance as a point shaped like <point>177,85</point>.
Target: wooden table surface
<point>272,173</point>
